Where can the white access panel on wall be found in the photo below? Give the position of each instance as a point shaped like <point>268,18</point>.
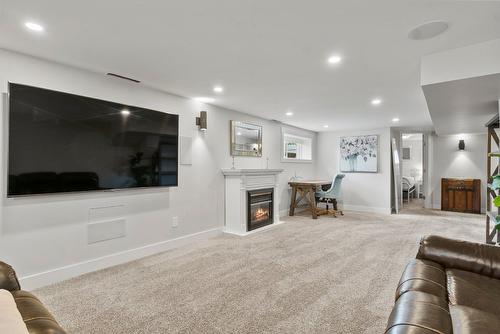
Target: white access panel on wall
<point>106,223</point>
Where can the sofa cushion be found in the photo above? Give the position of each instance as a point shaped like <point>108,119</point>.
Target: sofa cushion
<point>425,276</point>
<point>10,319</point>
<point>470,256</point>
<point>37,318</point>
<point>468,320</point>
<point>409,329</point>
<point>8,279</point>
<point>419,312</point>
<point>473,290</point>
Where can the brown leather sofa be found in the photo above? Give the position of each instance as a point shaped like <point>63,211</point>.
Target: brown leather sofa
<point>451,287</point>
<point>37,318</point>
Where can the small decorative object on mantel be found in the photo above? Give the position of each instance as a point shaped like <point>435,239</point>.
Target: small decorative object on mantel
<point>359,154</point>
<point>246,139</point>
<point>295,177</point>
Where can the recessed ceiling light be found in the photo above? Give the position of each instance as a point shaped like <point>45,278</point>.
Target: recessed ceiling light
<point>395,120</point>
<point>238,133</point>
<point>335,59</point>
<point>125,112</point>
<point>376,101</point>
<point>34,26</point>
<point>205,99</point>
<point>428,30</point>
<point>325,126</point>
<point>289,113</point>
<point>218,89</point>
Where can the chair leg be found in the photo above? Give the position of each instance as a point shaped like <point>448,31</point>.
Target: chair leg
<point>335,206</point>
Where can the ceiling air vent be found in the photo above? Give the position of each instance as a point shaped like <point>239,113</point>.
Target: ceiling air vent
<point>122,77</point>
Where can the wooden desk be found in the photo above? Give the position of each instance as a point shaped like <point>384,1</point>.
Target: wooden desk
<point>306,190</point>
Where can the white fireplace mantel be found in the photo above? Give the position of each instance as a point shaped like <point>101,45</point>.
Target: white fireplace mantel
<point>237,183</point>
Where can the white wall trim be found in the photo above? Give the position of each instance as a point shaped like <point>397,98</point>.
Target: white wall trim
<point>362,208</point>
<point>358,208</point>
<point>283,212</point>
<point>52,276</point>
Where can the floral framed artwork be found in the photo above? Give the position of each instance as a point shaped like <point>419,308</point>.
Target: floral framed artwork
<point>359,154</point>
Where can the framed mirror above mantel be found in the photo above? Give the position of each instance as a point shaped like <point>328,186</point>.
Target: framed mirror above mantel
<point>246,139</point>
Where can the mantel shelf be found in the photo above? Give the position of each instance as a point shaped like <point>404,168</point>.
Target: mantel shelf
<point>237,172</point>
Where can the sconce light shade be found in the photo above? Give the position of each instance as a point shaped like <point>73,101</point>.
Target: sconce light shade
<point>202,121</point>
<point>461,145</point>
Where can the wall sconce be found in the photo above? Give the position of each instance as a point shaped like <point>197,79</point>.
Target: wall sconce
<point>461,144</point>
<point>201,121</point>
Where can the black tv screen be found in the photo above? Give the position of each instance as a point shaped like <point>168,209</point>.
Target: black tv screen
<point>61,142</point>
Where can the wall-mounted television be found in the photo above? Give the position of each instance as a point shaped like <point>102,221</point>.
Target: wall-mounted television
<point>60,142</point>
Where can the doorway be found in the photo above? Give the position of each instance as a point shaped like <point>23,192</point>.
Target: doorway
<point>412,170</point>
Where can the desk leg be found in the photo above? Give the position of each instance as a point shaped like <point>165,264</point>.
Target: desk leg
<point>293,201</point>
<point>312,201</point>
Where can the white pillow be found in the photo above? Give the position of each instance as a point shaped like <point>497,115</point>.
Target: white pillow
<point>11,320</point>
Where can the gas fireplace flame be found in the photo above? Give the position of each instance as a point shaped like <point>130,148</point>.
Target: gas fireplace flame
<point>261,213</point>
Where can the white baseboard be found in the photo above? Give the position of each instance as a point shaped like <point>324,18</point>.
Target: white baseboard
<point>362,208</point>
<point>38,280</point>
<point>261,229</point>
<point>359,208</point>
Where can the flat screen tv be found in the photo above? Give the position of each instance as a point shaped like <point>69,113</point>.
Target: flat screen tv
<point>61,142</point>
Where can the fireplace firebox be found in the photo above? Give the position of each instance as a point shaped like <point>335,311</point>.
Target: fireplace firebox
<point>260,208</point>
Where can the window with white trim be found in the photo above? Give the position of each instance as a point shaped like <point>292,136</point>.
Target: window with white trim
<point>296,147</point>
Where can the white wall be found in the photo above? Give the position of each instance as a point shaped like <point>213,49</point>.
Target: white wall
<point>447,161</point>
<point>45,237</point>
<point>361,191</point>
<point>466,62</point>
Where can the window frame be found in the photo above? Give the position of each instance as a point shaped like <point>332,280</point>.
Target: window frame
<point>295,133</point>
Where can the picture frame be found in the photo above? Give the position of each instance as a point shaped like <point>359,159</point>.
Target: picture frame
<point>359,154</point>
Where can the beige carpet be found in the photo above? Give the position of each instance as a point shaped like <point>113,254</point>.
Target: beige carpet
<point>325,276</point>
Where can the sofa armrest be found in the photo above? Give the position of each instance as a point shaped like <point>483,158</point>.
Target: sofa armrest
<point>481,259</point>
<point>8,278</point>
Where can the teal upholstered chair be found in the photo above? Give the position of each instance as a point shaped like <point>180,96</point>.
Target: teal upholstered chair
<point>331,196</point>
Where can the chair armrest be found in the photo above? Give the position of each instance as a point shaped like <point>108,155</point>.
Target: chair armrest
<point>463,255</point>
<point>8,278</point>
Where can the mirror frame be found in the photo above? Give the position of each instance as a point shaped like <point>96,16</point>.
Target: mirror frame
<point>240,153</point>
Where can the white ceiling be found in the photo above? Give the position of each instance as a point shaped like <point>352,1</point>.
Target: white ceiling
<point>269,55</point>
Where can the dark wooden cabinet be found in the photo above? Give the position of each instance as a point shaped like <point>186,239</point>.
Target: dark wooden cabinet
<point>461,195</point>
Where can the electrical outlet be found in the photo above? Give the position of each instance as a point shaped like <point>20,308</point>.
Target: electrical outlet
<point>175,221</point>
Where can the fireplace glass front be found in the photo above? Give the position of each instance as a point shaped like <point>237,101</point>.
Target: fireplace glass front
<point>260,208</point>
